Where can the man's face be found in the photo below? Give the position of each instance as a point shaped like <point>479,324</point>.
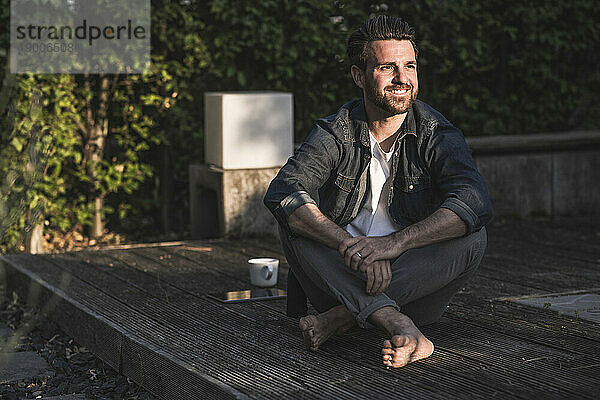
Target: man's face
<point>390,80</point>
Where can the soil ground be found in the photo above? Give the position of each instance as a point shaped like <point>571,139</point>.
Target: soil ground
<point>72,369</point>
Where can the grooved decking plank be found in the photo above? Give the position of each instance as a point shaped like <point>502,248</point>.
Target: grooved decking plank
<point>210,326</point>
<point>537,260</point>
<point>555,256</point>
<point>485,347</point>
<point>217,264</point>
<point>496,358</point>
<point>531,257</point>
<point>492,372</point>
<point>509,354</point>
<point>162,336</point>
<point>375,359</point>
<point>183,277</point>
<point>270,377</point>
<point>564,237</point>
<point>221,267</point>
<point>106,337</point>
<point>313,368</point>
<point>537,291</point>
<point>484,287</point>
<point>125,267</point>
<point>579,337</point>
<point>536,278</point>
<point>479,304</point>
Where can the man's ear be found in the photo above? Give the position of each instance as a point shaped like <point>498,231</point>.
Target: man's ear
<point>358,75</point>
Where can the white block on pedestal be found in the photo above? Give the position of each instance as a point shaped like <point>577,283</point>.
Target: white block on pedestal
<point>245,130</point>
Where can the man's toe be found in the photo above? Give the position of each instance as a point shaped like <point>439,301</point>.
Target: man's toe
<point>400,341</point>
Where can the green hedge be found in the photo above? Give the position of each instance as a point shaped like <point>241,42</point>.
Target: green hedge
<point>491,67</point>
<point>500,67</point>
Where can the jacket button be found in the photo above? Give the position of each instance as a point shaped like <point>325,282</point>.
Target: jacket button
<point>410,187</point>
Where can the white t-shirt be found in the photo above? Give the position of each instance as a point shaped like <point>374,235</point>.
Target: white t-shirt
<point>373,219</point>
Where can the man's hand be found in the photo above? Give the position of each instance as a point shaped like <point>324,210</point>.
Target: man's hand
<point>366,250</point>
<point>442,225</point>
<point>379,276</point>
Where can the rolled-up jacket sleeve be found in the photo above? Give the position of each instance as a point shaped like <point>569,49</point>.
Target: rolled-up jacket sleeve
<point>462,187</point>
<point>299,180</point>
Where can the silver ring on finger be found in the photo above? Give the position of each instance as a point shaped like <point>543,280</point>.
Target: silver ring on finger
<point>358,254</point>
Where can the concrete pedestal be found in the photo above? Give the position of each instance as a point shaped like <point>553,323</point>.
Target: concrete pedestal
<point>230,202</point>
<point>245,130</point>
<point>248,137</point>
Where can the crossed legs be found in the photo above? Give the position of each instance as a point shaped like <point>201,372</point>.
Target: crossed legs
<point>423,282</point>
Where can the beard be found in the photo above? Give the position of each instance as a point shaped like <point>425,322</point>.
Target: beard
<point>389,103</point>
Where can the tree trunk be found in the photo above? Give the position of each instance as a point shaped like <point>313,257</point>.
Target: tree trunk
<point>167,189</point>
<point>6,93</point>
<point>97,126</point>
<point>97,222</point>
<point>166,173</point>
<point>95,152</point>
<point>34,237</point>
<point>34,240</point>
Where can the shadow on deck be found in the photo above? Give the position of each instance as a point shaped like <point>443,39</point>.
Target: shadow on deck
<point>144,310</point>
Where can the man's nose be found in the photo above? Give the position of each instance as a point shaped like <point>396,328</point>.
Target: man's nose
<point>400,77</point>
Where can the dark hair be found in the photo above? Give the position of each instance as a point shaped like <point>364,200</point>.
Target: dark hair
<point>382,27</point>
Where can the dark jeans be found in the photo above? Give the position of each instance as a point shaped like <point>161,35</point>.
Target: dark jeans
<point>423,280</point>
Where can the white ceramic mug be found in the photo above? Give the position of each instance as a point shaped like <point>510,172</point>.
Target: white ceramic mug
<point>263,271</point>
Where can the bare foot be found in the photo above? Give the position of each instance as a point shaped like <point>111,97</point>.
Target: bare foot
<point>407,343</point>
<point>316,329</point>
<point>404,349</point>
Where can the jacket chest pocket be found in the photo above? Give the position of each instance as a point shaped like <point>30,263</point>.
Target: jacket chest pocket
<point>345,183</point>
<point>413,199</point>
<point>335,198</point>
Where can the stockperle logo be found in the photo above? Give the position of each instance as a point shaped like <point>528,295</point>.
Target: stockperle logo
<point>80,36</point>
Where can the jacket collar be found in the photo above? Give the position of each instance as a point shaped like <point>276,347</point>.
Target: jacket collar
<point>358,115</point>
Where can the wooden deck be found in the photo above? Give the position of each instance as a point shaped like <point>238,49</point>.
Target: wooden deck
<point>144,310</point>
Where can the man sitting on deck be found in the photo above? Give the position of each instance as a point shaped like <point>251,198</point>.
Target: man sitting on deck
<point>382,209</point>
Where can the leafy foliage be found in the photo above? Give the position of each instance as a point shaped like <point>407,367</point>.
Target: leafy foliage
<point>34,151</point>
<point>45,158</point>
<point>494,69</point>
<point>491,68</point>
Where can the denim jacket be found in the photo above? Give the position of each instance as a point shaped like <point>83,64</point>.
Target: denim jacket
<point>432,167</point>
